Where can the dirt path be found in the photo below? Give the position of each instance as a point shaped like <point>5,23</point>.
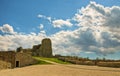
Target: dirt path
<point>61,70</point>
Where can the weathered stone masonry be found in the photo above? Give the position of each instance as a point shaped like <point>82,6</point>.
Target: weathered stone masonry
<point>8,56</point>
<point>44,49</point>
<point>16,59</point>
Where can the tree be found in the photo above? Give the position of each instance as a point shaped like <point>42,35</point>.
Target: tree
<point>19,49</point>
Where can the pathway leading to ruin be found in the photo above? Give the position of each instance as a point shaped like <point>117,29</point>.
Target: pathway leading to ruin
<point>84,67</point>
<point>61,70</point>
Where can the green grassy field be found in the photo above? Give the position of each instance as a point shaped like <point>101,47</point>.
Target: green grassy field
<point>40,62</point>
<point>51,59</point>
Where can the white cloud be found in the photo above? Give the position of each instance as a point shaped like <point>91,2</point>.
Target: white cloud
<point>59,23</point>
<point>96,14</point>
<point>98,32</point>
<point>6,28</point>
<point>13,40</point>
<point>41,16</point>
<point>49,19</point>
<point>45,17</point>
<point>41,26</point>
<point>43,32</point>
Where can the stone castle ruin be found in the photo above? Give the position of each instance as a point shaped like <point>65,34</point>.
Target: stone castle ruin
<point>15,59</point>
<point>44,49</point>
<point>23,57</point>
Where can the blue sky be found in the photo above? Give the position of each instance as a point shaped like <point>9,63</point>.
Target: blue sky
<point>24,12</point>
<point>63,19</point>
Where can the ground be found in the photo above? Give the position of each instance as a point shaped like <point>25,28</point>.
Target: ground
<point>56,69</point>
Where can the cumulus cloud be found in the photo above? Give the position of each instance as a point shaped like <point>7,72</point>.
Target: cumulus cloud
<point>98,31</point>
<point>106,18</point>
<point>6,28</point>
<point>13,40</point>
<point>59,23</point>
<point>96,14</point>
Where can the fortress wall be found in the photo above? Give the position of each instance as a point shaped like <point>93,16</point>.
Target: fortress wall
<point>24,59</point>
<point>4,65</point>
<point>8,56</point>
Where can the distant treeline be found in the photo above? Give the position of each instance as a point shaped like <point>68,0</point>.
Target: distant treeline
<point>86,61</point>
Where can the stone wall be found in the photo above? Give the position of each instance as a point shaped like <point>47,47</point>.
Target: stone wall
<point>4,65</point>
<point>24,59</point>
<point>8,56</point>
<point>35,50</point>
<point>8,59</point>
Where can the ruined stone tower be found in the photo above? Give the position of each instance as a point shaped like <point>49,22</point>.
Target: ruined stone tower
<point>46,48</point>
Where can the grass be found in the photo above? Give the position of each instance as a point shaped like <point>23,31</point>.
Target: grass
<point>53,60</point>
<point>40,62</point>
